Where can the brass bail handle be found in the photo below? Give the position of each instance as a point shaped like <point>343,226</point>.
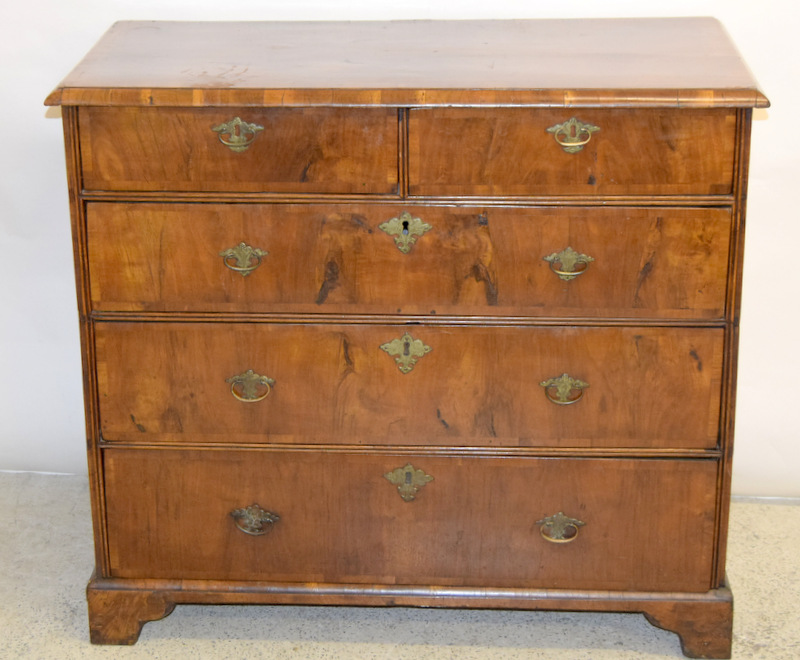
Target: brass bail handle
<point>568,263</point>
<point>237,134</point>
<point>254,520</point>
<point>573,134</point>
<point>250,387</point>
<point>560,390</point>
<point>559,528</point>
<point>243,258</point>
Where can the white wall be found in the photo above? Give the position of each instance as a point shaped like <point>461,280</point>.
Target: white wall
<point>41,414</point>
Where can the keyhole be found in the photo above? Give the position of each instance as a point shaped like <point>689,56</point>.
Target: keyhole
<point>405,231</point>
<point>406,347</point>
<point>408,477</point>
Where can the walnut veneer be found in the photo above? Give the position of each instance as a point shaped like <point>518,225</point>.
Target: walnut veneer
<point>411,313</point>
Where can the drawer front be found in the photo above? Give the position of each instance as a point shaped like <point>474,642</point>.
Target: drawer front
<point>304,150</point>
<point>465,261</point>
<point>460,151</point>
<point>340,520</point>
<point>345,384</point>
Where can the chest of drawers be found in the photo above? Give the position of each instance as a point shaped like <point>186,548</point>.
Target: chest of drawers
<point>413,313</point>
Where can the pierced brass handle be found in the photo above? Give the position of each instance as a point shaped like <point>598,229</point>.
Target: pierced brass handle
<point>243,258</point>
<point>240,134</point>
<point>254,520</point>
<point>408,480</point>
<point>252,386</point>
<point>567,260</point>
<point>406,229</point>
<point>559,528</point>
<point>572,134</point>
<point>560,390</point>
<point>406,351</point>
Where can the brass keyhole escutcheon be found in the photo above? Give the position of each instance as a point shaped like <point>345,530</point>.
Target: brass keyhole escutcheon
<point>408,480</point>
<point>406,229</point>
<point>406,351</point>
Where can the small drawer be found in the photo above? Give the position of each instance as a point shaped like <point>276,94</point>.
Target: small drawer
<point>409,384</point>
<point>556,262</point>
<point>586,151</point>
<point>282,150</point>
<point>596,524</point>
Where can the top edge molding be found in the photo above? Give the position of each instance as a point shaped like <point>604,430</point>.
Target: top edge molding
<point>668,62</point>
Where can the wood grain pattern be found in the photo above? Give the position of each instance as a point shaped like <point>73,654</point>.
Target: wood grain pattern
<point>735,275</point>
<point>325,150</point>
<point>705,629</point>
<point>117,616</point>
<point>473,261</point>
<point>475,151</point>
<point>79,246</point>
<point>473,525</point>
<point>477,386</point>
<point>664,62</point>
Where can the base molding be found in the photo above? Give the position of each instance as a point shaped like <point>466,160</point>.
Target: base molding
<point>118,608</point>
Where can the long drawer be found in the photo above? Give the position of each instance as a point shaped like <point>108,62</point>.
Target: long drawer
<point>557,262</point>
<point>409,385</point>
<point>586,151</point>
<point>287,150</point>
<point>354,518</point>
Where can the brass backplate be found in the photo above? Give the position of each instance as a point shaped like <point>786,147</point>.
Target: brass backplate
<point>573,134</point>
<point>564,386</point>
<point>240,134</point>
<point>250,386</point>
<point>243,258</point>
<point>560,528</point>
<point>254,520</point>
<point>567,260</point>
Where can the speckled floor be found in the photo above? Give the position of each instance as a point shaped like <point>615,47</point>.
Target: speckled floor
<point>46,559</point>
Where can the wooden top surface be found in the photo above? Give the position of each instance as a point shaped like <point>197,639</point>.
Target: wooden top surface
<point>614,62</point>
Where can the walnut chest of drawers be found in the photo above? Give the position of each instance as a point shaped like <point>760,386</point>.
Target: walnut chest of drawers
<point>412,313</point>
